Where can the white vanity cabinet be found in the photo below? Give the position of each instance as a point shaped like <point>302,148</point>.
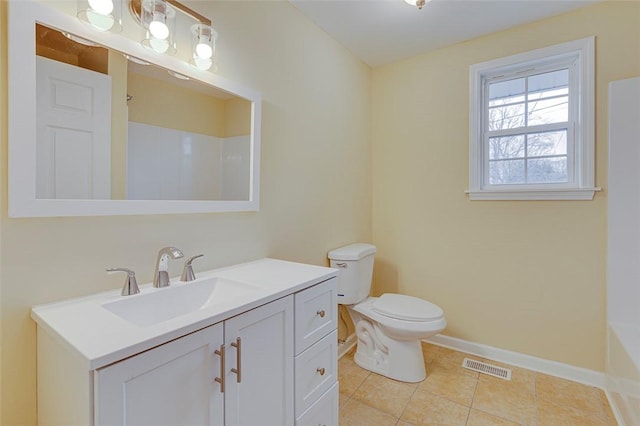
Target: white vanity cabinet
<point>267,357</point>
<point>175,384</point>
<point>259,346</point>
<point>316,359</point>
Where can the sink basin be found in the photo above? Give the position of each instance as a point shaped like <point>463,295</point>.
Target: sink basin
<point>179,299</point>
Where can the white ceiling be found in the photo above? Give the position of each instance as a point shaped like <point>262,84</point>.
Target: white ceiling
<point>384,31</point>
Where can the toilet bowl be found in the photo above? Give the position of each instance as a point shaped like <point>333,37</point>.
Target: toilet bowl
<point>388,328</point>
<point>388,341</point>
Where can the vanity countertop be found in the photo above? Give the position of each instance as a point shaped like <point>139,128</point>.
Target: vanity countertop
<point>99,337</point>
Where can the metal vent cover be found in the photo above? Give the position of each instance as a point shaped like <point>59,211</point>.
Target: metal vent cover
<point>482,367</point>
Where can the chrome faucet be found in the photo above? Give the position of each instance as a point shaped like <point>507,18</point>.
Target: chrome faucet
<point>130,284</point>
<point>161,275</point>
<point>187,271</point>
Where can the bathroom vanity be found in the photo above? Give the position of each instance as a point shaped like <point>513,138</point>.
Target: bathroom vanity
<point>250,344</point>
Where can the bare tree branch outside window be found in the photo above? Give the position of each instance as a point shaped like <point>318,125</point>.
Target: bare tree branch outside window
<point>522,148</point>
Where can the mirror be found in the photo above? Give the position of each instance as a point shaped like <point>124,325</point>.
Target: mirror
<point>100,126</point>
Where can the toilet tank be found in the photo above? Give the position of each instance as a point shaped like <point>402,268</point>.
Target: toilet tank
<point>355,262</point>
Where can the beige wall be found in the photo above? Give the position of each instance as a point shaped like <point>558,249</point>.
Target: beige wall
<point>525,276</point>
<point>119,129</point>
<point>161,103</point>
<point>237,112</point>
<point>315,186</point>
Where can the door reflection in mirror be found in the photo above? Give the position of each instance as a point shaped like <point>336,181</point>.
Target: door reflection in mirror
<point>110,128</point>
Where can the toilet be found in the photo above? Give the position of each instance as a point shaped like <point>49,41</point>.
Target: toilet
<point>389,328</point>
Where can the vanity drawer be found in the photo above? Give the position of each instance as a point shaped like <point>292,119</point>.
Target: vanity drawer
<point>324,412</point>
<point>316,370</point>
<point>315,314</point>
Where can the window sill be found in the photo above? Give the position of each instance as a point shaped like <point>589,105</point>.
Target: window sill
<point>584,194</point>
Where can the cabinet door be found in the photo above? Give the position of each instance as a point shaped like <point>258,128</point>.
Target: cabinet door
<point>173,384</point>
<point>259,376</point>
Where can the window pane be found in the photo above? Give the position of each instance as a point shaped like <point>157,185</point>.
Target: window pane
<point>506,172</point>
<point>506,92</point>
<point>543,85</point>
<point>506,147</point>
<point>547,170</point>
<point>547,143</point>
<point>548,94</point>
<point>507,117</point>
<point>554,110</point>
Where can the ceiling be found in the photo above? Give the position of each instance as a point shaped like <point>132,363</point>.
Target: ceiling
<point>384,31</point>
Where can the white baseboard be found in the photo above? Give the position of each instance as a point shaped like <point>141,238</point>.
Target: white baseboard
<point>552,368</point>
<point>619,406</point>
<point>344,347</point>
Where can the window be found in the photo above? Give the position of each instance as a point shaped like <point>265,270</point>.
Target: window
<point>531,125</point>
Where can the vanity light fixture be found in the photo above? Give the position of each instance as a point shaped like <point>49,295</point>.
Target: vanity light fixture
<point>103,15</point>
<point>418,3</point>
<point>203,45</point>
<point>158,20</point>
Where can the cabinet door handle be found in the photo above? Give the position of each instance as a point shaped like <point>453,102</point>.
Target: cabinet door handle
<point>238,371</point>
<point>221,353</point>
<point>321,371</point>
<point>321,313</point>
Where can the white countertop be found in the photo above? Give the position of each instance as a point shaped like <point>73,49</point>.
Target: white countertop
<point>101,337</point>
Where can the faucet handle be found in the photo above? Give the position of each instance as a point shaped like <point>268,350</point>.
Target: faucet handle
<point>187,271</point>
<point>130,284</point>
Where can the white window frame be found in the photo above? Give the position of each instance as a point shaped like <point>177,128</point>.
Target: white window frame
<point>579,56</point>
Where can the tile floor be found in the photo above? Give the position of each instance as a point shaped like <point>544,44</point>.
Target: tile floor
<point>452,395</point>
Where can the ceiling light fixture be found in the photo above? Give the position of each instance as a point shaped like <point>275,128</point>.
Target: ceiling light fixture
<point>418,3</point>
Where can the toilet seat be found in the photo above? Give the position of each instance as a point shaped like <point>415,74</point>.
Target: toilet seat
<point>407,308</point>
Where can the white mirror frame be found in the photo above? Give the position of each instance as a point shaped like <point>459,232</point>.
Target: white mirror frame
<point>23,15</point>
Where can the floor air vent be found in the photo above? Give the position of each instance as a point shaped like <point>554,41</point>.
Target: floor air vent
<point>492,370</point>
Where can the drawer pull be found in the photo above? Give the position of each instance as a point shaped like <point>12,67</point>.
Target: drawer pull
<point>321,313</point>
<point>238,371</point>
<point>220,379</point>
<point>321,371</point>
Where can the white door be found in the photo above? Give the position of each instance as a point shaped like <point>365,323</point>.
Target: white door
<point>73,116</point>
<point>260,348</point>
<point>173,384</point>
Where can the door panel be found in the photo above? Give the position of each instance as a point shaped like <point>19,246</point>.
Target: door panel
<point>73,116</point>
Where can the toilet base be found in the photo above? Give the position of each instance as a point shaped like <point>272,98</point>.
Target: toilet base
<point>398,360</point>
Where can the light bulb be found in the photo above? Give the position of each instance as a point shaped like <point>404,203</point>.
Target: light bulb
<point>103,7</point>
<point>99,21</point>
<point>159,30</point>
<point>204,50</point>
<point>160,46</point>
<point>202,64</point>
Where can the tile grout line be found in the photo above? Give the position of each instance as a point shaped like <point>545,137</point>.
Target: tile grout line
<point>408,402</point>
<point>475,389</point>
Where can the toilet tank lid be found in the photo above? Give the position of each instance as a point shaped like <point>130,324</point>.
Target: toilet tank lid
<point>352,252</point>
